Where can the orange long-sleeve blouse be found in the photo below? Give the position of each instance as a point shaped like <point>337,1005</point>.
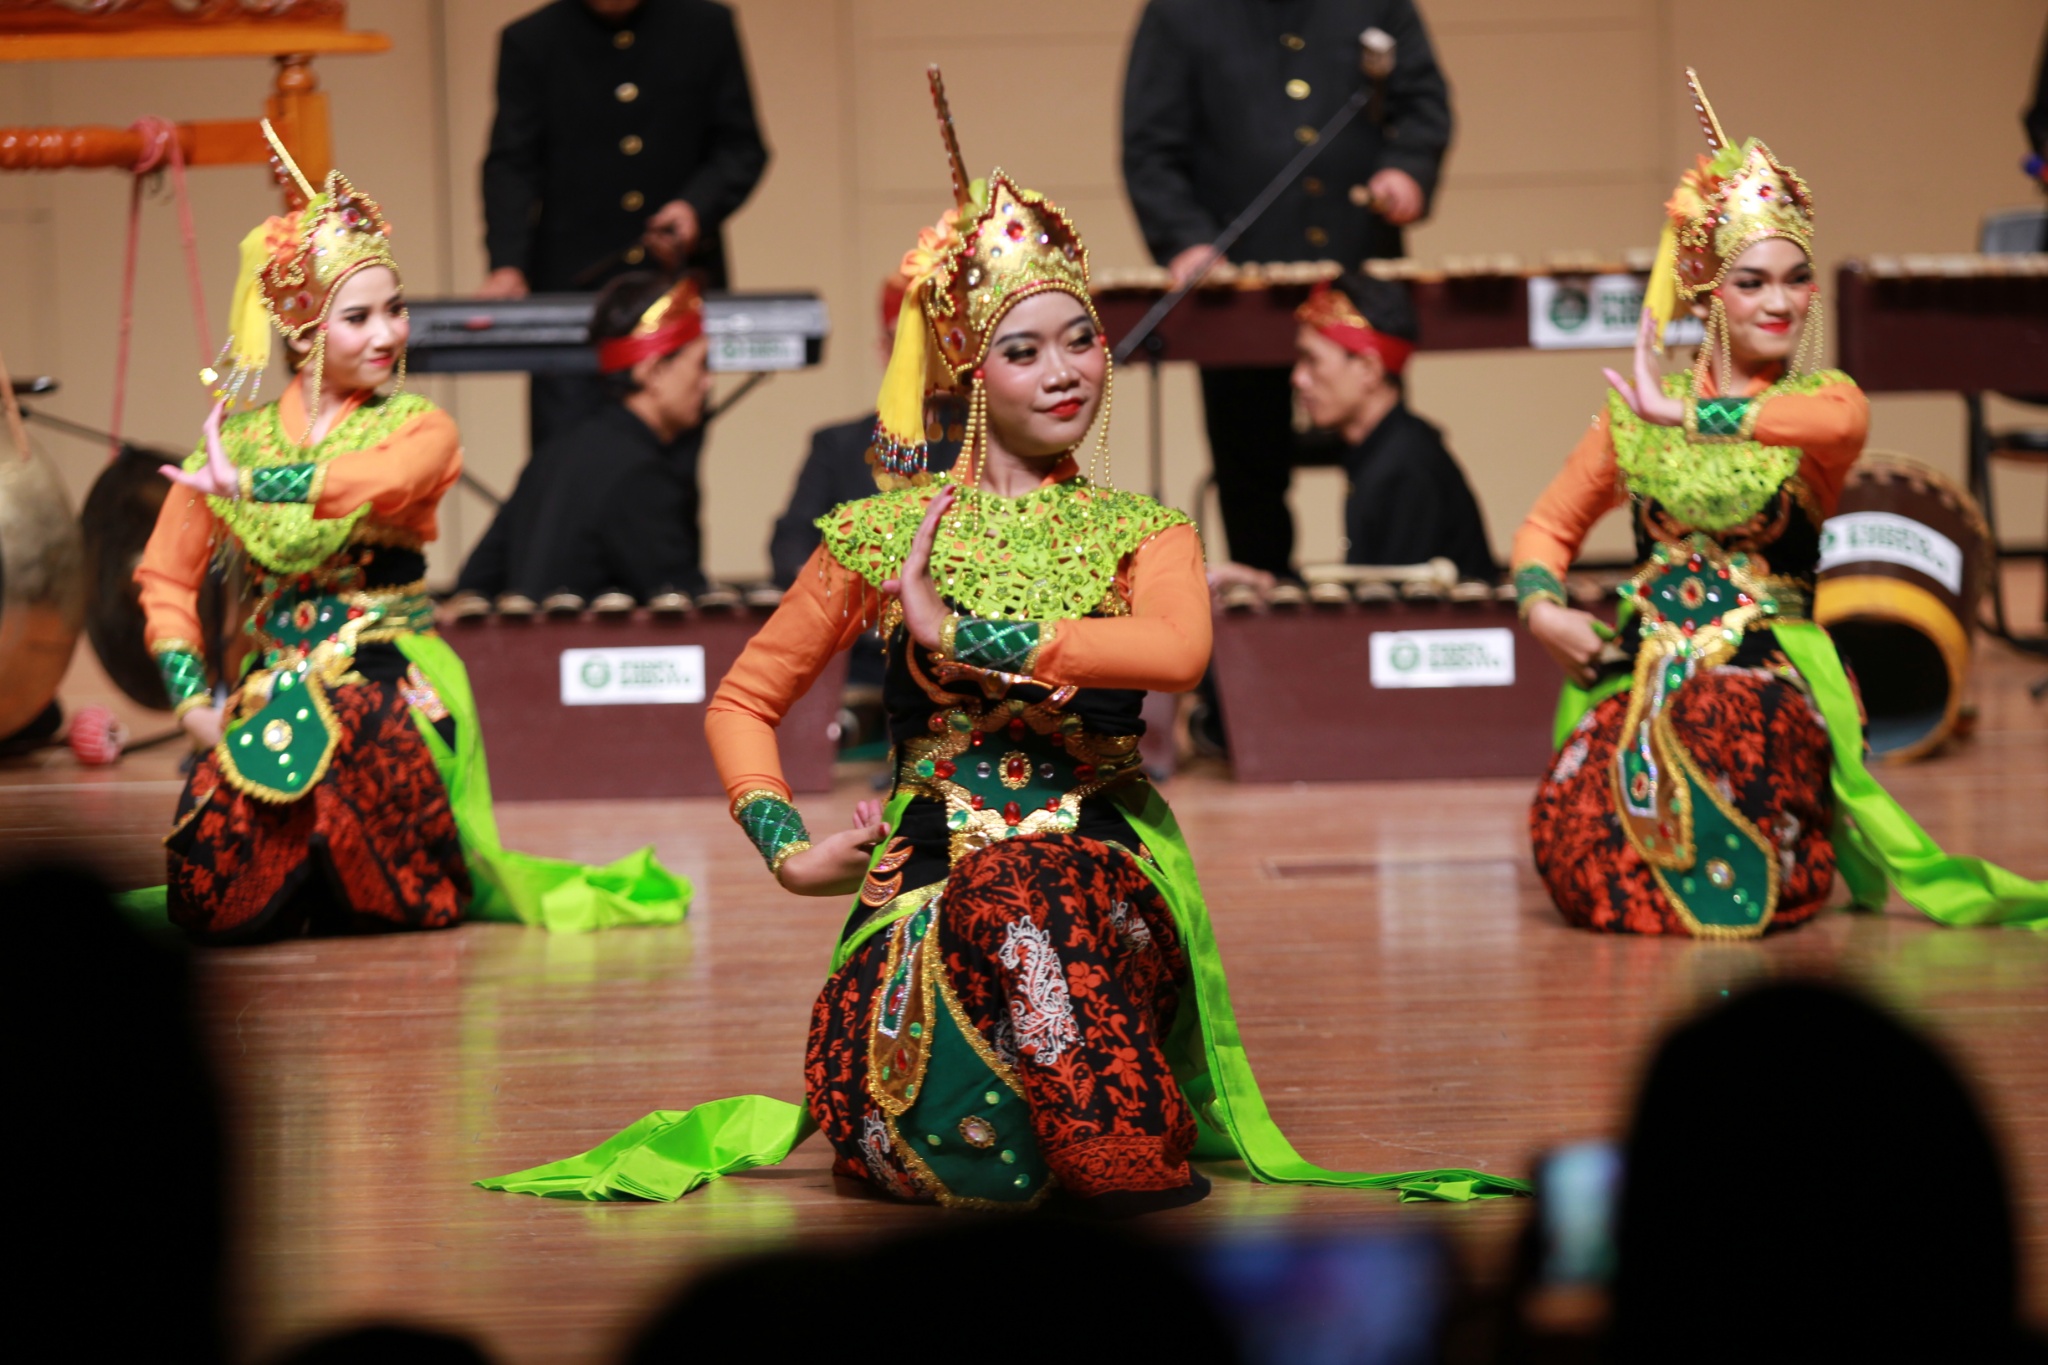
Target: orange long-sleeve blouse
<point>1162,646</point>
<point>1827,426</point>
<point>403,479</point>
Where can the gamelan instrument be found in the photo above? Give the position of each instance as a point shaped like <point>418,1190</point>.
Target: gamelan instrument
<point>608,702</point>
<point>1903,563</point>
<point>1956,323</point>
<point>1393,672</point>
<point>1243,315</point>
<point>550,334</point>
<point>42,576</point>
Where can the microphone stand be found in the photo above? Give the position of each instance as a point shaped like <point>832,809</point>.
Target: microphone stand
<point>1377,61</point>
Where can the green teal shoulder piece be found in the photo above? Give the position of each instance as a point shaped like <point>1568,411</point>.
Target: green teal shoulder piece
<point>1710,484</point>
<point>285,537</point>
<point>1050,555</point>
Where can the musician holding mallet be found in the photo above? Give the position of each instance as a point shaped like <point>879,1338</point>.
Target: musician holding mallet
<point>624,138</point>
<point>1219,95</point>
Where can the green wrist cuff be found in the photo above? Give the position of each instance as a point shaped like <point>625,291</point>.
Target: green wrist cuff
<point>1000,646</point>
<point>1533,584</point>
<point>774,825</point>
<point>184,675</point>
<point>283,483</point>
<point>1720,419</point>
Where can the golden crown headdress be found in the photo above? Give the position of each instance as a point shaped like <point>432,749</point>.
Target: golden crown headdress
<point>1733,199</point>
<point>291,266</point>
<point>999,244</point>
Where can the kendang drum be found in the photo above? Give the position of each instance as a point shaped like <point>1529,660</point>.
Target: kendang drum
<point>42,583</point>
<point>1902,565</point>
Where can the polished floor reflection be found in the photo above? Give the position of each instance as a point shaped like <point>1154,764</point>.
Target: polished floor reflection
<point>1407,996</point>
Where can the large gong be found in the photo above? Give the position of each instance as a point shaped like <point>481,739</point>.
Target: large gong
<point>42,582</point>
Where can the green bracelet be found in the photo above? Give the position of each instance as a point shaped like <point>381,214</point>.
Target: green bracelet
<point>1000,646</point>
<point>773,824</point>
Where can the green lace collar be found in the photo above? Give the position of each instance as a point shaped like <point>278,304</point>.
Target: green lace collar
<point>285,537</point>
<point>1050,555</point>
<point>1712,485</point>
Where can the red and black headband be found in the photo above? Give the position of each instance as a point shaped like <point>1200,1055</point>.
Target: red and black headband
<point>1330,311</point>
<point>670,323</point>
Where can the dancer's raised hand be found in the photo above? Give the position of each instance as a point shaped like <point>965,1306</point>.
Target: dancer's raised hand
<point>218,477</point>
<point>1645,395</point>
<point>924,611</point>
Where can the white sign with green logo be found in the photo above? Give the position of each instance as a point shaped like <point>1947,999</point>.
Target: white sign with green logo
<point>638,676</point>
<point>756,351</point>
<point>1570,312</point>
<point>1483,657</point>
<point>1856,537</point>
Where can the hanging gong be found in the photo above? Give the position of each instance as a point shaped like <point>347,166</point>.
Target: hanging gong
<point>42,582</point>
<point>120,513</point>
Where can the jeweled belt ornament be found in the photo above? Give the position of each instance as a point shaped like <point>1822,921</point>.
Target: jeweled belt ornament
<point>1693,601</point>
<point>283,733</point>
<point>1013,769</point>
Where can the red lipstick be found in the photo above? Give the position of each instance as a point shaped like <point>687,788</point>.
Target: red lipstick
<point>1066,409</point>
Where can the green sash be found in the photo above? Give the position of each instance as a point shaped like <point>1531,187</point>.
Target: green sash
<point>1878,846</point>
<point>669,1153</point>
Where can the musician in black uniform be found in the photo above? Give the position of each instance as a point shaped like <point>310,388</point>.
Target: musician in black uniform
<point>1218,96</point>
<point>625,136</point>
<point>1407,501</point>
<point>610,505</point>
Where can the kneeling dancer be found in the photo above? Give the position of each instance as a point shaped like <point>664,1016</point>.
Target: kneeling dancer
<point>1709,778</point>
<point>1027,994</point>
<point>343,788</point>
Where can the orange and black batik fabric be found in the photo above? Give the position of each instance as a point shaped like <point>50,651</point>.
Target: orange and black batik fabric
<point>1756,735</point>
<point>1065,961</point>
<point>373,846</point>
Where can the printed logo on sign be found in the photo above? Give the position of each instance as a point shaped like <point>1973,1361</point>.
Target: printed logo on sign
<point>1586,311</point>
<point>1569,308</point>
<point>641,676</point>
<point>1444,658</point>
<point>756,351</point>
<point>1888,538</point>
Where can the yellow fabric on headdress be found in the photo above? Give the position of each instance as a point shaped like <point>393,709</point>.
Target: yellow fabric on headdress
<point>899,408</point>
<point>1661,297</point>
<point>248,345</point>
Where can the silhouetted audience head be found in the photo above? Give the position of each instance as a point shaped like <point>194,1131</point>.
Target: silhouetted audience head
<point>1807,1180</point>
<point>386,1345</point>
<point>1016,1290</point>
<point>116,1126</point>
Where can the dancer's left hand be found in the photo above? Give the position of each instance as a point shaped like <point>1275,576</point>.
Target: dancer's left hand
<point>924,611</point>
<point>836,864</point>
<point>1645,396</point>
<point>218,477</point>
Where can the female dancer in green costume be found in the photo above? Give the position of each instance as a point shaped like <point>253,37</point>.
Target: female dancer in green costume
<point>343,786</point>
<point>1709,777</point>
<point>1026,995</point>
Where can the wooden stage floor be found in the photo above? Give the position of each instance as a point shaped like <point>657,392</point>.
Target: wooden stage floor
<point>1407,995</point>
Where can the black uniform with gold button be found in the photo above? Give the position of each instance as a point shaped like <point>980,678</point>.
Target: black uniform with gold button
<point>599,124</point>
<point>1218,96</point>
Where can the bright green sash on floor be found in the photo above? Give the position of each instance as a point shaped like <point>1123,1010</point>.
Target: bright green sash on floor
<point>669,1153</point>
<point>1878,846</point>
<point>552,892</point>
<point>560,895</point>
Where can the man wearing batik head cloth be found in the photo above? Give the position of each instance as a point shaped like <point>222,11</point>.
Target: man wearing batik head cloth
<point>611,504</point>
<point>1408,500</point>
<point>1219,96</point>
